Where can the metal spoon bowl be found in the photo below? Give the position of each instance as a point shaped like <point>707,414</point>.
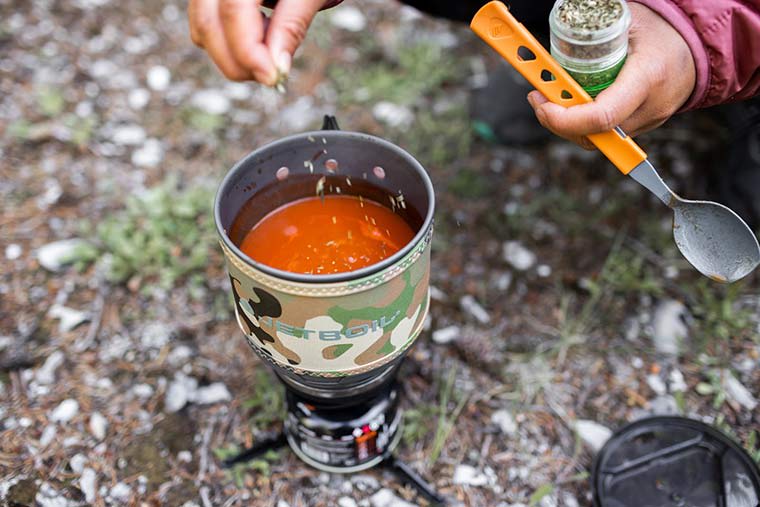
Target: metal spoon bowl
<point>714,239</point>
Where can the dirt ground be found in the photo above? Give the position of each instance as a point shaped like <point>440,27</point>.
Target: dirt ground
<point>115,131</point>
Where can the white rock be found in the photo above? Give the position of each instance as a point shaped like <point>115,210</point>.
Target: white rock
<point>282,503</point>
<point>185,456</point>
<point>155,335</point>
<point>393,115</point>
<point>48,434</point>
<point>386,498</point>
<point>150,154</point>
<point>65,411</point>
<point>213,393</point>
<point>544,271</point>
<point>569,500</point>
<point>518,256</point>
<point>469,476</point>
<point>737,392</point>
<point>668,327</point>
<point>128,135</point>
<point>98,425</point>
<point>663,405</point>
<point>346,501</point>
<point>138,98</point>
<point>470,305</point>
<point>77,462</point>
<point>69,318</point>
<point>446,335</point>
<point>120,492</point>
<point>298,115</point>
<point>656,384</point>
<point>142,391</point>
<point>237,91</point>
<point>46,373</point>
<point>504,420</point>
<point>503,281</point>
<point>592,433</point>
<point>158,78</point>
<point>348,18</point>
<point>677,382</point>
<point>211,101</point>
<point>179,355</point>
<point>57,254</point>
<point>47,496</point>
<point>181,390</point>
<point>437,294</point>
<point>365,482</point>
<point>13,251</point>
<point>88,483</point>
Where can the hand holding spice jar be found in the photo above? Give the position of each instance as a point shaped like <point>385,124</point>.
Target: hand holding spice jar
<point>657,79</point>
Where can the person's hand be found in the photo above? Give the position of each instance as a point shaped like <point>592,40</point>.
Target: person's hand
<point>656,80</point>
<point>243,43</point>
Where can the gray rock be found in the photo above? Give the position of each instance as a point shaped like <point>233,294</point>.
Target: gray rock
<point>348,18</point>
<point>120,492</point>
<point>364,482</point>
<point>180,392</point>
<point>65,411</point>
<point>158,78</point>
<point>68,317</point>
<point>592,433</point>
<point>48,435</point>
<point>469,476</point>
<point>155,335</point>
<point>393,115</point>
<point>663,405</point>
<point>77,463</point>
<point>656,384</point>
<point>214,393</point>
<point>668,327</point>
<point>58,254</point>
<point>138,98</point>
<point>237,91</point>
<point>518,256</point>
<point>298,116</point>
<point>211,101</point>
<point>471,306</point>
<point>446,335</point>
<point>98,425</point>
<point>128,135</point>
<point>150,154</point>
<point>46,373</point>
<point>13,251</point>
<point>676,382</point>
<point>386,498</point>
<point>737,392</point>
<point>88,483</point>
<point>504,420</point>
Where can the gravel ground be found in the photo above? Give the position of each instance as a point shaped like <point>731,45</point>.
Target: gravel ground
<point>561,309</point>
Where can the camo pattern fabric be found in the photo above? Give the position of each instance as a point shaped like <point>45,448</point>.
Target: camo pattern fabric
<point>334,329</point>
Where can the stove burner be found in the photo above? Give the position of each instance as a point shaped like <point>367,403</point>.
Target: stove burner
<point>344,436</point>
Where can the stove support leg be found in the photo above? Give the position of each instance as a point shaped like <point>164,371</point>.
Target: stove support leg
<point>256,450</point>
<point>409,476</point>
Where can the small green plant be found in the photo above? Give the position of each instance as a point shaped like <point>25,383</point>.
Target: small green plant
<point>713,387</point>
<point>469,184</point>
<point>239,470</point>
<point>721,317</point>
<point>446,418</point>
<point>50,101</point>
<point>267,401</point>
<point>163,234</point>
<point>417,422</point>
<point>203,121</point>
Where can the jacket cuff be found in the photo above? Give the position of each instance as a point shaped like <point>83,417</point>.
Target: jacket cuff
<point>678,19</point>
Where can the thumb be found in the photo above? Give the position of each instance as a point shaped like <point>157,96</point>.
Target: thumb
<point>287,29</point>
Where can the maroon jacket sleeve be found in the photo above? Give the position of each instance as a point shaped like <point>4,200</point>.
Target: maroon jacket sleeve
<point>724,38</point>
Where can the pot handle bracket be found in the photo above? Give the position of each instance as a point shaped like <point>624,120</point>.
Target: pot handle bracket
<point>330,123</point>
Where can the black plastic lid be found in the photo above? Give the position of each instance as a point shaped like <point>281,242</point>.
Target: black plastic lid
<point>674,461</point>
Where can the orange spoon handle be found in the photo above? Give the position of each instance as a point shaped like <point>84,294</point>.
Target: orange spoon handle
<point>495,24</point>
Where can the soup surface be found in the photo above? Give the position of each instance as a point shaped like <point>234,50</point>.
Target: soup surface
<point>325,235</point>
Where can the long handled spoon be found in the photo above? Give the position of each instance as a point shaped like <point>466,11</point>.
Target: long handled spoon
<point>714,239</point>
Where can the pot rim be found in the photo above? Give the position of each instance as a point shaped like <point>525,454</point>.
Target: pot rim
<point>334,277</point>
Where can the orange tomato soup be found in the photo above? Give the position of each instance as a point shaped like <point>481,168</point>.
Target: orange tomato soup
<point>332,234</point>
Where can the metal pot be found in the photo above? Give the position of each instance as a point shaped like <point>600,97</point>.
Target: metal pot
<point>328,336</point>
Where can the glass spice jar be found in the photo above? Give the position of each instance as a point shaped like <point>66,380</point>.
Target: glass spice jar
<point>589,38</point>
